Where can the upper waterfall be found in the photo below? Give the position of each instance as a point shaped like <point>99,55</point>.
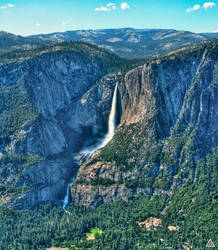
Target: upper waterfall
<point>86,153</point>
<point>111,128</point>
<point>111,121</point>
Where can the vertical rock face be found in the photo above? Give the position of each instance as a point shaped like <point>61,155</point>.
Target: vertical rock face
<point>169,121</point>
<point>173,93</point>
<point>66,109</point>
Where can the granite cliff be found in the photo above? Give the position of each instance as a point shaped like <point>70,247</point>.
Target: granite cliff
<point>169,121</point>
<point>56,101</point>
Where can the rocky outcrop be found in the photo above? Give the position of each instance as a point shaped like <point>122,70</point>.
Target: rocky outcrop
<point>150,224</point>
<point>100,182</point>
<point>93,196</point>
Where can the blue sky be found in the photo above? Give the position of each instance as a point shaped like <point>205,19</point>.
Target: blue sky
<point>25,17</point>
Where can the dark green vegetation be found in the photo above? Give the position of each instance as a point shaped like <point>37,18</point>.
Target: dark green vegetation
<point>95,231</point>
<point>119,150</point>
<point>15,109</point>
<point>192,208</point>
<point>16,113</point>
<point>13,165</point>
<point>109,61</point>
<point>12,168</point>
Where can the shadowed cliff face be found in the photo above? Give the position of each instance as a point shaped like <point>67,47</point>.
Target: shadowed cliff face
<point>61,116</point>
<point>169,121</point>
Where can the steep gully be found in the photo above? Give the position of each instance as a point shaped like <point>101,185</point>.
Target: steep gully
<point>87,153</point>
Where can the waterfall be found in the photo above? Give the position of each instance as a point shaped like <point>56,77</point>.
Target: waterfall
<point>111,129</point>
<point>88,152</point>
<point>66,198</point>
<point>111,121</point>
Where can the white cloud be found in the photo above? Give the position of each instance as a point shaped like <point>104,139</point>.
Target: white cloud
<point>208,5</point>
<point>63,23</point>
<point>108,7</point>
<point>124,6</point>
<point>194,8</point>
<point>215,31</point>
<point>102,8</point>
<point>110,4</point>
<point>37,24</point>
<point>9,5</point>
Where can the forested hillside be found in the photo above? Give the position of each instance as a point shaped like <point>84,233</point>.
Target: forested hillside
<point>192,209</point>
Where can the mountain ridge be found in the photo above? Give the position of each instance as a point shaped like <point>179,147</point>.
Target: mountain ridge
<point>129,42</point>
<point>126,42</point>
<point>9,41</point>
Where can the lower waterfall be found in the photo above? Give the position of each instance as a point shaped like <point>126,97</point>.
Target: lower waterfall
<point>66,198</point>
<point>88,152</point>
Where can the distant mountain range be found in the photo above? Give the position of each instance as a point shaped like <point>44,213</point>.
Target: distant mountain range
<point>126,42</point>
<point>10,42</point>
<point>130,42</point>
